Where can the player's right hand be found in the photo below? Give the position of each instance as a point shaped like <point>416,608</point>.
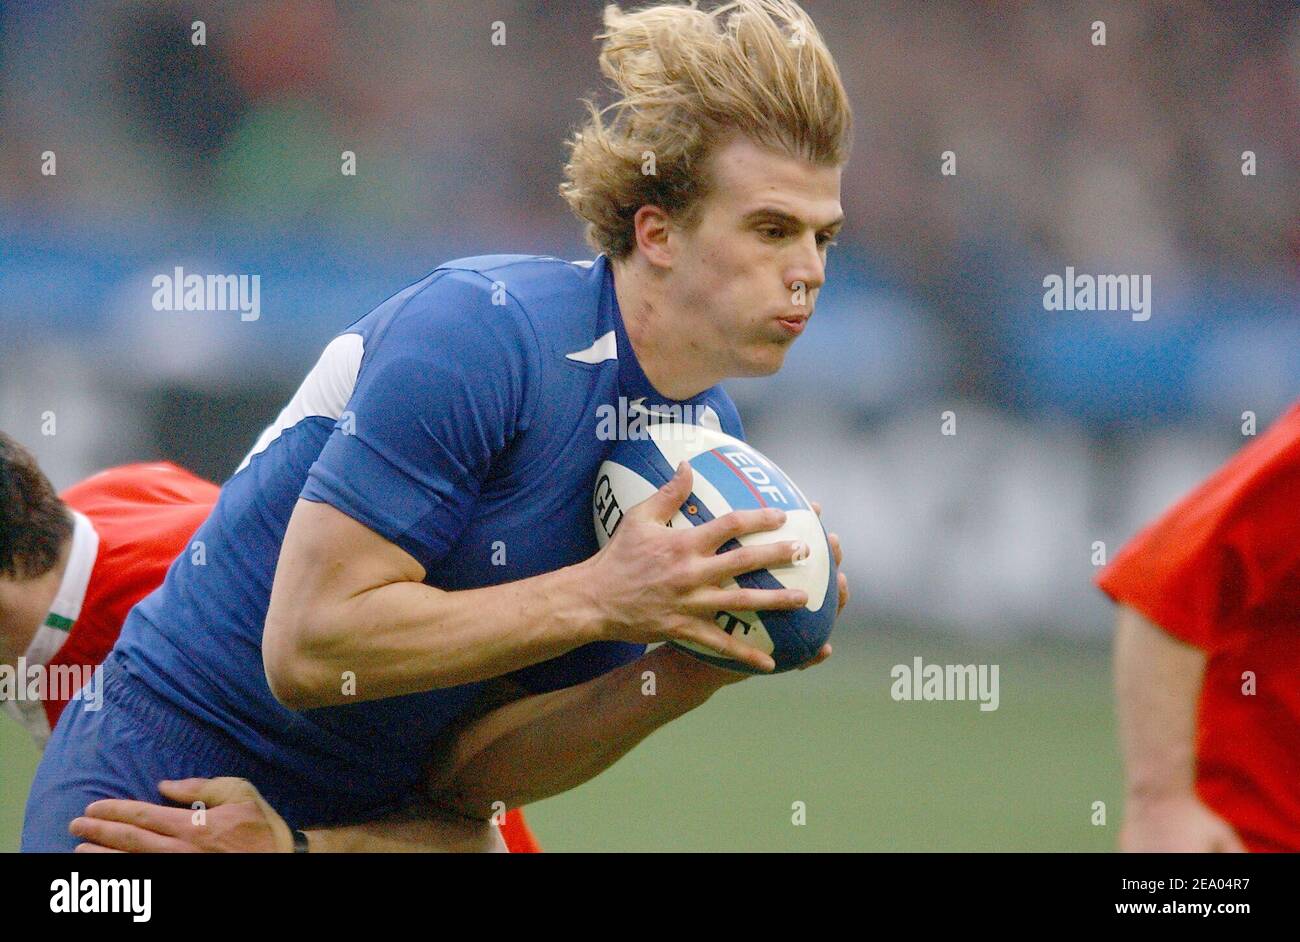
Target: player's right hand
<point>651,582</point>
<point>1175,824</point>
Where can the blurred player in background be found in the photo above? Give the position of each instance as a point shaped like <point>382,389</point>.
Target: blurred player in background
<point>1207,659</point>
<point>73,564</point>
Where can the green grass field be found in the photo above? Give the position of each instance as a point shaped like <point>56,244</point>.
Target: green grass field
<point>873,774</point>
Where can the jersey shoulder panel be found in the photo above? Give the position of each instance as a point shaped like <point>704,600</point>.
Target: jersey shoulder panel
<point>561,299</point>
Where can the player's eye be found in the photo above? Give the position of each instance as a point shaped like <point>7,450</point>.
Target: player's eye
<point>772,232</point>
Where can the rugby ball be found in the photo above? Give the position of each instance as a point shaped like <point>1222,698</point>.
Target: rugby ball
<point>729,474</point>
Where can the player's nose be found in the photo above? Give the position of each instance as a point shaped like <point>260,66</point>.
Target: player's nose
<point>808,268</point>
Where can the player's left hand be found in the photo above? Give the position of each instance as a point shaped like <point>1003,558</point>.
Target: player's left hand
<point>230,817</point>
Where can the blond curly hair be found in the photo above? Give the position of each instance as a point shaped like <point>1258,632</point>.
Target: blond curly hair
<point>687,80</point>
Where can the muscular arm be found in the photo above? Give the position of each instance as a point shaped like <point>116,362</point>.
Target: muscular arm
<point>532,748</point>
<point>539,746</point>
<point>1158,682</point>
<point>543,745</point>
<point>346,599</point>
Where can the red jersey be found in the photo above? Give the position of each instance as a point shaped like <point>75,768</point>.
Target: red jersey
<point>1221,571</point>
<point>144,516</point>
<point>131,523</point>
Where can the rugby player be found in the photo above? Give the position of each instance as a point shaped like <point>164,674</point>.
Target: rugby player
<point>1207,659</point>
<point>413,535</point>
<point>73,564</point>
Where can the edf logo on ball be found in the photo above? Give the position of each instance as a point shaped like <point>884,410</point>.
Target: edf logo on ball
<point>747,471</point>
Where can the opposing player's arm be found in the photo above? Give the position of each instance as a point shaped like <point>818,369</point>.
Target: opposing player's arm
<point>1158,686</point>
<point>236,819</point>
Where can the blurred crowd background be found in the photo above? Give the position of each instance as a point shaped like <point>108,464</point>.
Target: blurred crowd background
<point>1071,427</point>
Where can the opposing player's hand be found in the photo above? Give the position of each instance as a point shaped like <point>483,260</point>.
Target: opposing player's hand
<point>653,583</point>
<point>1179,824</point>
<point>232,817</point>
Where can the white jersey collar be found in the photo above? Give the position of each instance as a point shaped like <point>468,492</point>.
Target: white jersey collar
<point>53,631</point>
<point>66,608</point>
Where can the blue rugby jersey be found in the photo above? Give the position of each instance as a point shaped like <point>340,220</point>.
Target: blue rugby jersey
<point>459,419</point>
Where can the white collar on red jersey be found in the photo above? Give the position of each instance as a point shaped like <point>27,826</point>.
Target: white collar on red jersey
<point>66,608</point>
<point>53,631</point>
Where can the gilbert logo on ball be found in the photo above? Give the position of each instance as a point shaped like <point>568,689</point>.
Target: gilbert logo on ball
<point>727,475</point>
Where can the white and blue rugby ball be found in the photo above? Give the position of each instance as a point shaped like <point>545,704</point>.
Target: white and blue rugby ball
<point>727,475</point>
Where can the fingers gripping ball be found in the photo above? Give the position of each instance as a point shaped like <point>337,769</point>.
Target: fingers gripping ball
<point>728,475</point>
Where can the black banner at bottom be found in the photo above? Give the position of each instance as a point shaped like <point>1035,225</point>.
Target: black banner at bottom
<point>333,892</point>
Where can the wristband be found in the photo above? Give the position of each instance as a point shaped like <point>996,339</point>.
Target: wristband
<point>300,845</point>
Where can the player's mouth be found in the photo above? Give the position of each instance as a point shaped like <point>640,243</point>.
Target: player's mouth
<point>794,324</point>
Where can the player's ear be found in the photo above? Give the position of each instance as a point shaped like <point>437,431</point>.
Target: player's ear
<point>652,226</point>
